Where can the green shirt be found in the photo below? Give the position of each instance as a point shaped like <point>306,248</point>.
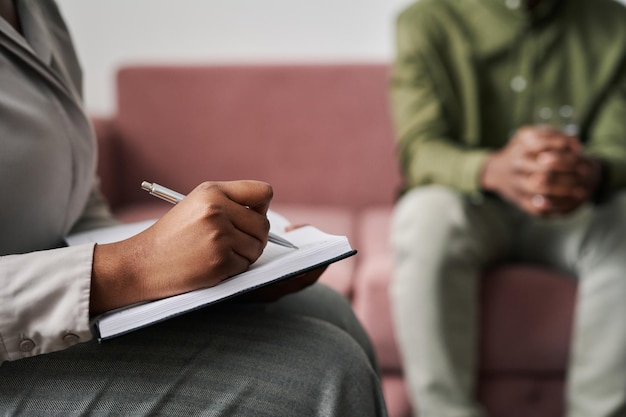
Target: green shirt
<point>469,73</point>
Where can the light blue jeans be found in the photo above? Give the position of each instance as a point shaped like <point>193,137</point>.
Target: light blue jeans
<point>443,241</point>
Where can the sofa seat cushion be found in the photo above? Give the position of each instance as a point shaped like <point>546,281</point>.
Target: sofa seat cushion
<point>371,282</point>
<point>534,395</point>
<point>526,319</point>
<point>396,395</point>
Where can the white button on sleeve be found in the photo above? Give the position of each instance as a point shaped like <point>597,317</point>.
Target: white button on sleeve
<point>71,339</point>
<point>44,300</point>
<point>27,345</point>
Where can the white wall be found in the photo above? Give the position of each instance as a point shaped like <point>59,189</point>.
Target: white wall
<point>114,32</point>
<point>109,33</point>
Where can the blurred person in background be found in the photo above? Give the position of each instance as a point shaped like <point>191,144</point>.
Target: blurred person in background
<point>510,118</point>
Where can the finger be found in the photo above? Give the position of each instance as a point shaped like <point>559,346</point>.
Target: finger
<point>589,171</point>
<point>279,289</point>
<point>535,205</point>
<point>539,202</point>
<point>256,195</point>
<point>561,206</point>
<point>535,140</point>
<point>253,199</point>
<point>557,161</point>
<point>233,265</point>
<point>549,163</point>
<point>527,165</point>
<point>295,226</point>
<point>554,184</point>
<point>250,222</point>
<point>531,184</point>
<point>523,199</point>
<point>546,206</point>
<point>247,246</point>
<point>224,202</point>
<point>540,205</point>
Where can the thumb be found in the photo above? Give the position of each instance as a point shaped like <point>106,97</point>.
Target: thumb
<point>256,195</point>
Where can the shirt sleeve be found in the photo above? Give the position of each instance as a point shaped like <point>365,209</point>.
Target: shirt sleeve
<point>44,302</point>
<point>96,214</point>
<point>44,307</point>
<point>429,147</point>
<point>607,137</point>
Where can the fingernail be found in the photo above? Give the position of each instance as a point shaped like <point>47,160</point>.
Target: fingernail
<point>545,158</point>
<point>537,200</point>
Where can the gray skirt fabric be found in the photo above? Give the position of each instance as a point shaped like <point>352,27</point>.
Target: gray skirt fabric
<point>305,355</point>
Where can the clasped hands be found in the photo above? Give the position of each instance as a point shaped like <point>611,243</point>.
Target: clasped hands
<point>542,170</point>
<point>217,231</point>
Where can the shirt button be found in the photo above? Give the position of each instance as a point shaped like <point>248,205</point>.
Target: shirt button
<point>513,4</point>
<point>27,345</point>
<point>71,339</point>
<point>518,84</point>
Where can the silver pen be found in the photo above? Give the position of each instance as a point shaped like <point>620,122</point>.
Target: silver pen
<point>173,197</point>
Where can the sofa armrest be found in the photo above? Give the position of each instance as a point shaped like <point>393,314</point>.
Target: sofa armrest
<point>108,169</point>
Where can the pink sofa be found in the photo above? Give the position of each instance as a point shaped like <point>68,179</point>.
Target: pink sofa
<point>321,135</point>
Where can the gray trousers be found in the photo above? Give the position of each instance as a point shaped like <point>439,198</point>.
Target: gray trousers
<point>305,355</point>
<point>442,243</point>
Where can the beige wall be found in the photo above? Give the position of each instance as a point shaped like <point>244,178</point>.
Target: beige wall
<point>112,32</point>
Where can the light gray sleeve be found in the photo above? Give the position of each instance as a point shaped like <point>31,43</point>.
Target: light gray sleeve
<point>96,214</point>
<point>45,306</point>
<point>44,301</point>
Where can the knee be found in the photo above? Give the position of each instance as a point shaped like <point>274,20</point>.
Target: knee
<point>318,301</point>
<point>321,302</point>
<point>604,243</point>
<point>424,205</point>
<point>610,218</point>
<point>333,346</point>
<point>426,213</point>
<point>338,373</point>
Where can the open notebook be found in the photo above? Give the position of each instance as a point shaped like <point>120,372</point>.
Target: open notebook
<point>315,249</point>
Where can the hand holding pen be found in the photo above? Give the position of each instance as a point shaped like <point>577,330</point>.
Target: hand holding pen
<point>215,232</point>
<point>174,197</point>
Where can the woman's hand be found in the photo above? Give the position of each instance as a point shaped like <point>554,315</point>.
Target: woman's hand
<point>274,292</point>
<point>215,232</point>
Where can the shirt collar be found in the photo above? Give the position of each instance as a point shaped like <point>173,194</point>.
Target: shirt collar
<point>35,29</point>
<point>507,20</point>
<point>516,9</point>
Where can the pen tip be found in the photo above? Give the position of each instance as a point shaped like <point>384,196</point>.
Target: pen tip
<point>146,185</point>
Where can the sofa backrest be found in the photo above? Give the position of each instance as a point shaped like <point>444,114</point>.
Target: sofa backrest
<point>320,134</point>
